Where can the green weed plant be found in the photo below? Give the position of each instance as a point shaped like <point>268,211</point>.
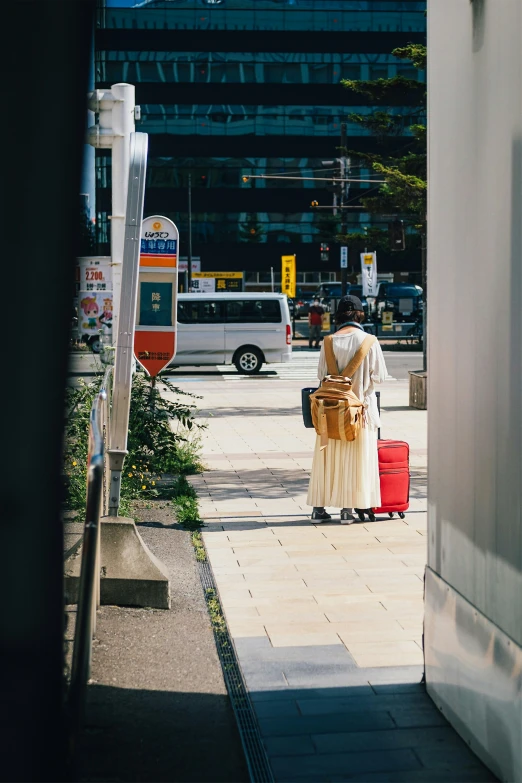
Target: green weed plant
<point>163,438</point>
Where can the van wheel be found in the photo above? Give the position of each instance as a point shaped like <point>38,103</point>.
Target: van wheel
<point>248,361</point>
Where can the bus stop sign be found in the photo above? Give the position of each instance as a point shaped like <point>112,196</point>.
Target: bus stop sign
<point>155,335</point>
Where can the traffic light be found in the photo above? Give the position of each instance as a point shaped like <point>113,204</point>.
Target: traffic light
<point>314,204</point>
<point>325,251</point>
<point>396,235</point>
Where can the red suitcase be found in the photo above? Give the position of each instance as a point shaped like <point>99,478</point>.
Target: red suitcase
<point>394,472</point>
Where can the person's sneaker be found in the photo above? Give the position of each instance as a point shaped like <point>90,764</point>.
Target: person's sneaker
<point>320,516</point>
<point>347,518</point>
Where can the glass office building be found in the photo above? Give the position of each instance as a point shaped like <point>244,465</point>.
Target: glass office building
<point>234,88</point>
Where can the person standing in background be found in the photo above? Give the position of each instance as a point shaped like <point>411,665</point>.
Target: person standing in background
<point>315,320</point>
<point>345,474</point>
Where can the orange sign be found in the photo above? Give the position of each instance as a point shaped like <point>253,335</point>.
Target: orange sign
<point>164,350</point>
<point>155,335</point>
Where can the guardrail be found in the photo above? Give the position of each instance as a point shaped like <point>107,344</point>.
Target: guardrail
<point>410,331</point>
<point>89,586</point>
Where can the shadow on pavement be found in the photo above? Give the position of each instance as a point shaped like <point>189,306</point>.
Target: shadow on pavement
<point>157,705</point>
<point>147,735</point>
<point>373,729</point>
<point>274,483</point>
<point>245,412</point>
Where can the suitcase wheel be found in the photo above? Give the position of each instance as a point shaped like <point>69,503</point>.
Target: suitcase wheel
<point>371,517</point>
<point>390,514</point>
<point>402,514</point>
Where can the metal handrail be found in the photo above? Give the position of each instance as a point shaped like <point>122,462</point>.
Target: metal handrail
<point>89,587</point>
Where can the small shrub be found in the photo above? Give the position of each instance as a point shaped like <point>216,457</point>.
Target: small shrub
<point>152,436</point>
<point>163,438</point>
<point>185,502</point>
<point>197,543</point>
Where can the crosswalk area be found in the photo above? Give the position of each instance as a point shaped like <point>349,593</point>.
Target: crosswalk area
<point>303,367</point>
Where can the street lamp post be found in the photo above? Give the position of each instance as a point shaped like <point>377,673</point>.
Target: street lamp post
<point>189,258</point>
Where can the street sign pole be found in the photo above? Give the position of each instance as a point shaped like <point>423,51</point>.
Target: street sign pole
<point>124,338</point>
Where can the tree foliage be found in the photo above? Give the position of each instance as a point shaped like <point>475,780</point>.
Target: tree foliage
<point>403,163</point>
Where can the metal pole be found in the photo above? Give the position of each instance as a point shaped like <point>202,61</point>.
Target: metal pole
<point>189,259</point>
<point>272,278</point>
<point>425,302</point>
<point>344,191</point>
<point>122,119</point>
<point>124,355</point>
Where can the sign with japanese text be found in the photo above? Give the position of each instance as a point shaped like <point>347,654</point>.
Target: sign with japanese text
<point>95,296</point>
<point>288,276</point>
<point>203,282</point>
<point>344,257</point>
<point>95,273</point>
<point>205,286</point>
<point>369,274</point>
<point>155,335</point>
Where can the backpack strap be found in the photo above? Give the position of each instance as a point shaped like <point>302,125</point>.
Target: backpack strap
<point>359,357</point>
<point>331,363</point>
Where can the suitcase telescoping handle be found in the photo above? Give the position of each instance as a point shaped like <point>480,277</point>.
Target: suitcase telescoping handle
<point>378,395</point>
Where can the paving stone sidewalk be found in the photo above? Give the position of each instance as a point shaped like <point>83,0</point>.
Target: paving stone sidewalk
<point>326,619</point>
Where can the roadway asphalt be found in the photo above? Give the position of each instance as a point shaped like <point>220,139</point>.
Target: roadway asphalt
<point>303,365</point>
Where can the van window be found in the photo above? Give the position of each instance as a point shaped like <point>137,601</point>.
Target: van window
<point>197,311</point>
<point>251,311</point>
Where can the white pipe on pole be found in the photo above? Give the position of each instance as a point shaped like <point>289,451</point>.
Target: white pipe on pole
<point>116,112</point>
<point>122,121</point>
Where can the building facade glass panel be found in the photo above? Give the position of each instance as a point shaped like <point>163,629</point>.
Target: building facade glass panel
<point>258,68</point>
<point>226,133</point>
<point>211,120</point>
<point>347,16</point>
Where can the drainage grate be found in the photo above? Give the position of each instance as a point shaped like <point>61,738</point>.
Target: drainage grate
<point>257,761</point>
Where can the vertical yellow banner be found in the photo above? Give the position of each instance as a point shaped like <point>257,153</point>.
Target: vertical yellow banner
<point>288,276</point>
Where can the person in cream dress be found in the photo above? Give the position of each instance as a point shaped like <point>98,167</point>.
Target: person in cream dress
<point>345,474</point>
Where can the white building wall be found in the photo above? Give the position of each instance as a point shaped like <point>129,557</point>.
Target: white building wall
<point>473,633</point>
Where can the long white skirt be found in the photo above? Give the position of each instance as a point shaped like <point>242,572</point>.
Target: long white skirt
<point>346,474</point>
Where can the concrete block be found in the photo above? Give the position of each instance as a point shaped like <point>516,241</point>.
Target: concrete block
<point>130,574</point>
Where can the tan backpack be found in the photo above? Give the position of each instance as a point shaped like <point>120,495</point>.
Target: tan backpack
<point>336,411</point>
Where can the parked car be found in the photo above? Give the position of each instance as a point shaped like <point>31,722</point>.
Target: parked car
<point>244,329</point>
<point>404,300</point>
<point>332,291</point>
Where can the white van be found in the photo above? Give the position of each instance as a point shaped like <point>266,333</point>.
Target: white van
<point>233,328</point>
